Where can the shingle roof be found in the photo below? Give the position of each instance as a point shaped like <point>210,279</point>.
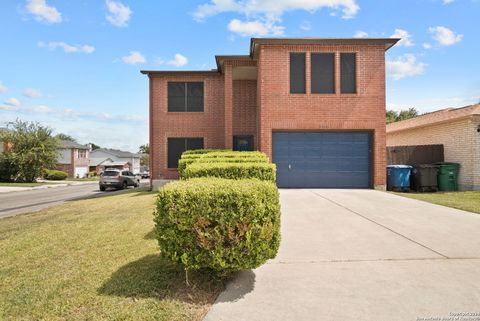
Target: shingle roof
<point>439,116</point>
<point>118,153</point>
<point>69,144</point>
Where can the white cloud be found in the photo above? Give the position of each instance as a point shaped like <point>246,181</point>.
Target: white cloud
<point>427,45</point>
<point>9,108</point>
<point>306,26</point>
<point>119,13</point>
<point>3,88</point>
<point>133,58</point>
<point>404,66</point>
<point>254,28</point>
<point>178,61</point>
<point>43,12</point>
<point>444,36</point>
<point>32,93</point>
<point>262,16</point>
<point>274,7</point>
<point>14,102</point>
<point>406,37</point>
<point>360,34</point>
<point>41,109</point>
<point>52,45</point>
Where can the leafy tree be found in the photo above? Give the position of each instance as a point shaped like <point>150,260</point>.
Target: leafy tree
<point>144,160</point>
<point>144,149</point>
<point>94,146</point>
<point>32,149</point>
<point>393,116</point>
<point>66,137</point>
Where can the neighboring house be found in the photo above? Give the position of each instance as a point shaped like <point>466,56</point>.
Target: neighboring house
<point>315,106</point>
<point>73,158</point>
<point>458,129</point>
<point>102,157</point>
<point>99,165</point>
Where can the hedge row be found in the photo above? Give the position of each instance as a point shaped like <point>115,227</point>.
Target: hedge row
<point>261,171</point>
<point>223,156</point>
<point>220,224</point>
<point>54,175</point>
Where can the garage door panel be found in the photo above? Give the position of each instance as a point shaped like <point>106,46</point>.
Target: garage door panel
<point>323,159</point>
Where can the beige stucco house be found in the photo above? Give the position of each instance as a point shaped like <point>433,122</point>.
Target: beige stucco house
<point>458,129</point>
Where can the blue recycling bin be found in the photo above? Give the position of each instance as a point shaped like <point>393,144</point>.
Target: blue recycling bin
<point>398,177</point>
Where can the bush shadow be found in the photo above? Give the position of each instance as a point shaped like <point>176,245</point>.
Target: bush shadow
<point>241,283</point>
<point>154,276</point>
<point>152,235</point>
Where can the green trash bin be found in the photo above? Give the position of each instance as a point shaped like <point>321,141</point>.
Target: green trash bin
<point>447,176</point>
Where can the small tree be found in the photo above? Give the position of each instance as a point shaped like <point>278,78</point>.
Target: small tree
<point>65,137</point>
<point>393,116</point>
<point>32,150</point>
<point>144,149</point>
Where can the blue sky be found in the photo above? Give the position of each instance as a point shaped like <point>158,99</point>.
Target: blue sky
<point>74,65</point>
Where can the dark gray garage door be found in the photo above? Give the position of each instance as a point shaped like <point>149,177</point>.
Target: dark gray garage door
<point>322,160</point>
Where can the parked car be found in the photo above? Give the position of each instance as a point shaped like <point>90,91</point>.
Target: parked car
<point>119,179</point>
<point>145,174</point>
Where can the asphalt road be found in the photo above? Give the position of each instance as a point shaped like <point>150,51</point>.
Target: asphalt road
<point>16,203</point>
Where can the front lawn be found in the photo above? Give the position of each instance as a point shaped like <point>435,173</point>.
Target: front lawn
<point>467,201</point>
<point>22,184</point>
<point>95,259</point>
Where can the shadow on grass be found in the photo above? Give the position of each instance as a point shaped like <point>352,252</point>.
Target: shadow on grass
<point>156,277</point>
<point>151,235</point>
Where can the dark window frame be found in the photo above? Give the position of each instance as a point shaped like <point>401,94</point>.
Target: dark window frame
<point>316,80</point>
<point>186,144</point>
<point>293,85</point>
<point>248,137</point>
<point>186,108</point>
<point>344,90</point>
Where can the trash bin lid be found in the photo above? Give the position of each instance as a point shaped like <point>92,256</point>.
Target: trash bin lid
<point>447,164</point>
<point>399,166</point>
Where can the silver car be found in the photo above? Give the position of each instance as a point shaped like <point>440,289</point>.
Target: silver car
<point>119,179</point>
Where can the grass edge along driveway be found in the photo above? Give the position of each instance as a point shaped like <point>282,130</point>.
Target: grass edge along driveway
<point>95,259</point>
<point>467,201</point>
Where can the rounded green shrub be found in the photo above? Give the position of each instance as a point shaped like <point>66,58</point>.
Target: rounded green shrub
<point>203,151</point>
<point>54,175</point>
<point>222,224</point>
<point>261,171</point>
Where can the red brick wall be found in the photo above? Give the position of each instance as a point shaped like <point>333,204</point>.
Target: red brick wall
<point>245,108</point>
<point>280,110</point>
<point>67,168</point>
<point>164,124</point>
<point>264,105</point>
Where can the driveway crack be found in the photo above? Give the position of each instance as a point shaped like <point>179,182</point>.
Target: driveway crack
<point>379,224</point>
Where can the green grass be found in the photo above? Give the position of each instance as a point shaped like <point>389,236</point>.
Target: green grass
<point>95,259</point>
<point>467,201</point>
<point>22,184</point>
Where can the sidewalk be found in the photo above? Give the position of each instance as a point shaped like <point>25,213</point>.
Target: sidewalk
<point>51,184</point>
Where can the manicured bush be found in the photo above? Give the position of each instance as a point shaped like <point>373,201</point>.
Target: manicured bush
<point>231,154</point>
<point>261,171</point>
<point>55,175</point>
<point>92,174</point>
<point>221,224</point>
<point>203,151</point>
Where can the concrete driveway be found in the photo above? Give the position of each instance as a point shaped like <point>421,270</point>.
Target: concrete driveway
<point>362,255</point>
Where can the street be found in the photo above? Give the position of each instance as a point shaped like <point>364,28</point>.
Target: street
<point>22,202</point>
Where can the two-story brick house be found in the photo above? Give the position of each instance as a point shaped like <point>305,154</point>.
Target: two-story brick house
<point>73,158</point>
<point>315,106</point>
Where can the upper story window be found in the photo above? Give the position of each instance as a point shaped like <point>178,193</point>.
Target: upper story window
<point>297,73</point>
<point>348,71</point>
<point>185,96</point>
<point>82,153</point>
<point>322,73</point>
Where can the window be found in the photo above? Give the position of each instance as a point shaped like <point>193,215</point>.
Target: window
<point>243,143</point>
<point>348,73</point>
<point>297,73</point>
<point>82,153</point>
<point>176,146</point>
<point>185,96</point>
<point>323,73</point>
